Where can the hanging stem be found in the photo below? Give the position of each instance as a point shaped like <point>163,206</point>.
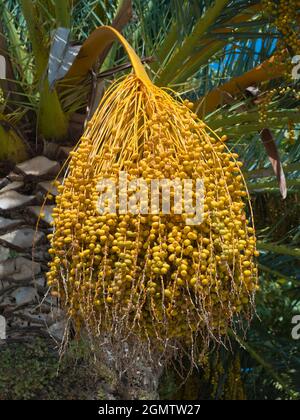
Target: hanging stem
<point>94,46</point>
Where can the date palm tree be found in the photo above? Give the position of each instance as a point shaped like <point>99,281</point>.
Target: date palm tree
<point>234,60</point>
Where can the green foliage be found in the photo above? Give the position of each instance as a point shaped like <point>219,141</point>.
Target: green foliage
<point>34,371</point>
<point>271,336</point>
<point>26,370</point>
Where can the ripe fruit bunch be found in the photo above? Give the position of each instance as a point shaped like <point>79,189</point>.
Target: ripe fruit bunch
<point>152,274</point>
<point>286,13</point>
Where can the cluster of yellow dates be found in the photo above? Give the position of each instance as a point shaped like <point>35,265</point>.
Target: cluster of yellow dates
<point>285,13</point>
<point>153,274</point>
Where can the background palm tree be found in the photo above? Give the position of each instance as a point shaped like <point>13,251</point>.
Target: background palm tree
<point>231,59</point>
